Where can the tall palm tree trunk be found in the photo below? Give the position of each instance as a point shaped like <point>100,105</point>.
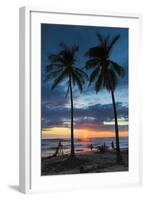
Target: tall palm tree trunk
<point>72,153</point>
<point>119,158</point>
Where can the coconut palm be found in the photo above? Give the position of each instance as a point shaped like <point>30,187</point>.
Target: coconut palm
<point>105,74</point>
<point>63,68</point>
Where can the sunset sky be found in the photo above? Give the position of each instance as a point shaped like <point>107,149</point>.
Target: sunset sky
<point>93,113</point>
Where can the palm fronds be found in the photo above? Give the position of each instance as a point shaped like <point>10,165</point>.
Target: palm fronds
<point>105,72</point>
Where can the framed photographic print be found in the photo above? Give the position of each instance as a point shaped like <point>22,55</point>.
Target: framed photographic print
<point>79,100</point>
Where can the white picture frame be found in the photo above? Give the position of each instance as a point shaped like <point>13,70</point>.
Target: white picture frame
<point>29,160</point>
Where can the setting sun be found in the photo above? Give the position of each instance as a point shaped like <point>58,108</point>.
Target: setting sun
<point>85,136</point>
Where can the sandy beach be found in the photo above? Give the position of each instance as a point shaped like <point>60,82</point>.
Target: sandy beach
<point>84,162</point>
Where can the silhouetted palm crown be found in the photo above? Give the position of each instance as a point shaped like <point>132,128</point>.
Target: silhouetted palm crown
<point>63,67</point>
<point>105,71</point>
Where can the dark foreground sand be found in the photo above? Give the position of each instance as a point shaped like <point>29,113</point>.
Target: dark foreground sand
<point>85,162</point>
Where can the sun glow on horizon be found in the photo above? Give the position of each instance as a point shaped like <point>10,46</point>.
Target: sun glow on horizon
<point>85,136</point>
<point>83,133</point>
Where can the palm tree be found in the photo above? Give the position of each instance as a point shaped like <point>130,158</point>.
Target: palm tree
<point>105,74</point>
<point>63,68</point>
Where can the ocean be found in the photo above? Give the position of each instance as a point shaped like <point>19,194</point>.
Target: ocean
<point>48,146</point>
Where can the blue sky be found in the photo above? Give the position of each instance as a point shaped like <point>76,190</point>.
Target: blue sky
<point>92,110</point>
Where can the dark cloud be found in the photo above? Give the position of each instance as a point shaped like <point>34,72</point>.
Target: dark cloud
<point>92,117</point>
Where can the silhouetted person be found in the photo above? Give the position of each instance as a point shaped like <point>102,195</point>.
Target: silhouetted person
<point>59,143</point>
<point>60,147</point>
<point>101,149</point>
<point>91,146</point>
<point>112,145</point>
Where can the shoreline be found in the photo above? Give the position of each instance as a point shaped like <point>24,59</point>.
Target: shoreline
<point>49,146</point>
